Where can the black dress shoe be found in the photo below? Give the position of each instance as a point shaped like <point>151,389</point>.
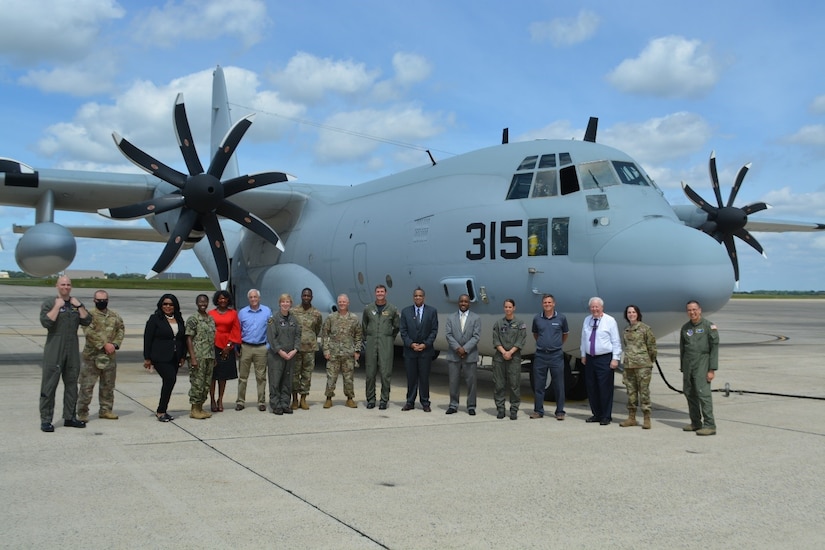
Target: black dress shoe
<point>165,418</point>
<point>500,415</point>
<point>593,419</point>
<point>427,409</point>
<point>471,412</point>
<point>278,410</point>
<point>239,407</point>
<point>47,427</point>
<point>604,422</point>
<point>451,411</point>
<point>370,405</point>
<point>513,415</point>
<point>262,407</point>
<point>382,406</point>
<point>407,407</point>
<point>288,410</point>
<point>74,423</point>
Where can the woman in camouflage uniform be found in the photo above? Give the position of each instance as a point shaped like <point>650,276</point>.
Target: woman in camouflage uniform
<point>200,340</point>
<point>639,346</point>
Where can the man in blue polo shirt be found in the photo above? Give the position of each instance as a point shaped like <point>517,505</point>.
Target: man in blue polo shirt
<point>550,331</point>
<point>253,320</point>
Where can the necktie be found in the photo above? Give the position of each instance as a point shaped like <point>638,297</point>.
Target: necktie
<point>417,316</point>
<point>462,318</point>
<point>593,337</point>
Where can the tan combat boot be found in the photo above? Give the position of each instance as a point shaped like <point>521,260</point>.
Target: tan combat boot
<point>303,404</point>
<point>294,404</point>
<point>328,403</point>
<point>646,421</point>
<point>198,413</point>
<point>351,404</point>
<point>108,415</point>
<point>631,419</point>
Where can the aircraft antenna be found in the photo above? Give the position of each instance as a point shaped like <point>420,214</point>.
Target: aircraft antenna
<point>431,157</point>
<point>505,136</point>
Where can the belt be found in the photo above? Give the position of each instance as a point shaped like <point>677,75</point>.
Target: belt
<point>251,344</point>
<point>545,350</point>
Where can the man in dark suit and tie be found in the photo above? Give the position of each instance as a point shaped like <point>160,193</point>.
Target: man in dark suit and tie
<point>419,326</point>
<point>463,329</point>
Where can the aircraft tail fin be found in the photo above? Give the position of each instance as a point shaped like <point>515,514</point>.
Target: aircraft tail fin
<point>592,127</point>
<point>221,121</point>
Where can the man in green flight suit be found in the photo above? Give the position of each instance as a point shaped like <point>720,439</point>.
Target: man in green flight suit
<point>699,360</point>
<point>380,322</point>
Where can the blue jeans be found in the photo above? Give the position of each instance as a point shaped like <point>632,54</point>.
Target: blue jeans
<point>554,363</point>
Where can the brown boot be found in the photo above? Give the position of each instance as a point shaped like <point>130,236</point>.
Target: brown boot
<point>646,421</point>
<point>351,404</point>
<point>328,403</point>
<point>294,404</point>
<point>631,419</point>
<point>303,404</point>
<point>197,412</point>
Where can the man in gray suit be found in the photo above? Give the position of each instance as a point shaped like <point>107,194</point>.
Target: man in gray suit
<point>463,330</point>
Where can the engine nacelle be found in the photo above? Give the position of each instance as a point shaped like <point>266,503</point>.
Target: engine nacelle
<point>45,249</point>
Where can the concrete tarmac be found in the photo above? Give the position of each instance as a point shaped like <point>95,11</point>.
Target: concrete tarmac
<point>358,478</point>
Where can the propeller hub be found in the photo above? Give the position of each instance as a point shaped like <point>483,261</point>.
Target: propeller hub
<point>730,219</point>
<point>203,193</point>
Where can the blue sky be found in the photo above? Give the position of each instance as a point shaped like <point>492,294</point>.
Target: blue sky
<point>347,91</point>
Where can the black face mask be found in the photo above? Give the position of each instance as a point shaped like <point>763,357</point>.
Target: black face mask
<point>102,304</point>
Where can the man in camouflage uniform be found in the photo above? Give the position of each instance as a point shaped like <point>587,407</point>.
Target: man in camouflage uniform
<point>380,323</point>
<point>103,338</point>
<point>698,361</point>
<point>200,342</point>
<point>341,342</point>
<point>509,336</point>
<point>310,320</point>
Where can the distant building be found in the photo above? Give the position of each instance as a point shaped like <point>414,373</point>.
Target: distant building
<point>4,274</point>
<point>175,276</point>
<point>85,274</point>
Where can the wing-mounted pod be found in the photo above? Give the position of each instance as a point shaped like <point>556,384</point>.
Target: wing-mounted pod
<point>292,279</point>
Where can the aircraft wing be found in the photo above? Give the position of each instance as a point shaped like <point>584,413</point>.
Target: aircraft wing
<point>781,226</point>
<point>146,234</point>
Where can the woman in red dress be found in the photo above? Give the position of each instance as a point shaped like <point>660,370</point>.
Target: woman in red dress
<point>227,337</point>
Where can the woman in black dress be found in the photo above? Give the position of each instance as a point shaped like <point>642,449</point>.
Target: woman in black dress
<point>164,348</point>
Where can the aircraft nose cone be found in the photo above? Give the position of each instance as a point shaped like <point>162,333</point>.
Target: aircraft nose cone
<point>660,264</point>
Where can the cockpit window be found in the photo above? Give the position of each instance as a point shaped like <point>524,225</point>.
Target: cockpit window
<point>547,161</point>
<point>520,186</point>
<point>528,163</point>
<point>629,173</point>
<point>597,175</point>
<point>564,159</point>
<point>546,185</point>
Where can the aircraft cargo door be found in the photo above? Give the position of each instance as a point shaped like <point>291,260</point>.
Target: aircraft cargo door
<point>359,272</point>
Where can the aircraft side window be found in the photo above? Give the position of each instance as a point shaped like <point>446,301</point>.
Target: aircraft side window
<point>568,180</point>
<point>547,161</point>
<point>529,163</point>
<point>564,159</point>
<point>561,231</point>
<point>629,173</point>
<point>597,202</point>
<point>597,175</point>
<point>537,237</point>
<point>546,185</point>
<point>520,186</point>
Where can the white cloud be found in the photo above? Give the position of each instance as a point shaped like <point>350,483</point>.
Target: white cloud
<point>566,31</point>
<point>44,30</point>
<point>410,68</point>
<point>808,206</point>
<point>812,135</point>
<point>88,77</point>
<point>671,66</point>
<point>818,105</point>
<point>398,124</point>
<point>179,22</point>
<point>308,78</point>
<point>660,139</point>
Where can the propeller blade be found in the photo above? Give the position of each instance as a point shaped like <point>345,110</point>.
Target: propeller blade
<point>185,141</point>
<point>242,183</point>
<point>729,244</point>
<point>740,176</point>
<point>148,163</point>
<point>155,205</point>
<point>714,178</point>
<point>697,200</point>
<point>755,207</point>
<point>250,221</point>
<point>177,237</point>
<point>216,241</point>
<point>228,145</point>
<point>746,236</point>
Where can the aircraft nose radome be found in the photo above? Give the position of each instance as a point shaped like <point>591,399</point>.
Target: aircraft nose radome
<point>660,265</point>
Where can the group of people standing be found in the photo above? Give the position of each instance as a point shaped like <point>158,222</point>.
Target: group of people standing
<point>281,347</point>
